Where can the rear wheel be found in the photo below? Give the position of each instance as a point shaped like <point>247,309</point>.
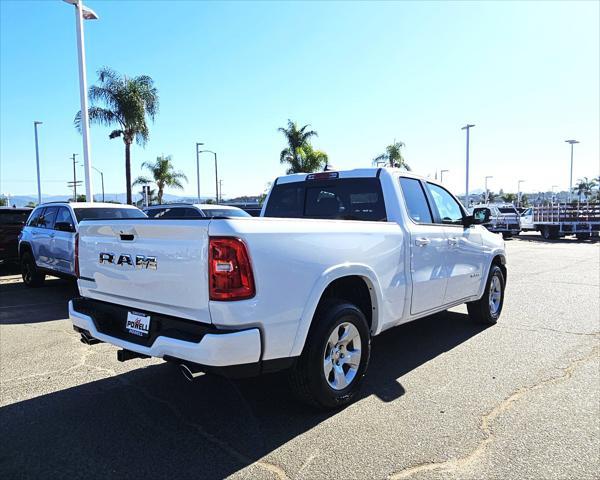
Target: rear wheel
<point>32,277</point>
<point>332,366</point>
<point>487,309</point>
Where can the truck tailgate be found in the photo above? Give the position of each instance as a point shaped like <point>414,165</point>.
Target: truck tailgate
<point>116,264</point>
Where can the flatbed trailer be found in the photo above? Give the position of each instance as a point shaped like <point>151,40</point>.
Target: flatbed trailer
<point>557,220</point>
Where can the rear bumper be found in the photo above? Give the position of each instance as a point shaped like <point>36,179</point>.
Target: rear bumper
<point>215,348</point>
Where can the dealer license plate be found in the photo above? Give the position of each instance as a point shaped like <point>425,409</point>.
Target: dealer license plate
<point>138,324</point>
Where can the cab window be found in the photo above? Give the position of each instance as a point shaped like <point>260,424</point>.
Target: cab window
<point>448,208</point>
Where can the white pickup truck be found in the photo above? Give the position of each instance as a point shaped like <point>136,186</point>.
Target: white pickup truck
<point>336,258</point>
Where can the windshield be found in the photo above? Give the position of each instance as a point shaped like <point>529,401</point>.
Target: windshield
<point>507,210</point>
<point>97,213</point>
<point>224,212</point>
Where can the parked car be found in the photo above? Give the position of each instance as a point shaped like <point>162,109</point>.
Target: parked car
<point>339,258</point>
<point>48,242</point>
<point>197,210</point>
<point>11,222</point>
<point>504,219</point>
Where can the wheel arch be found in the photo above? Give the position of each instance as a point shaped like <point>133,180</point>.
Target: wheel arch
<point>24,247</point>
<point>356,283</point>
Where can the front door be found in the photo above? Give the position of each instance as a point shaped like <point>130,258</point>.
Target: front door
<point>465,257</point>
<point>428,250</point>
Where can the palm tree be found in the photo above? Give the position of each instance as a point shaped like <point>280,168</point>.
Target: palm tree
<point>509,197</point>
<point>124,102</point>
<point>308,160</point>
<point>393,156</point>
<point>163,175</point>
<point>584,187</point>
<point>297,139</point>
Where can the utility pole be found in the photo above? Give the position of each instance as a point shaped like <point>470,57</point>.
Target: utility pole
<point>467,127</point>
<point>442,175</point>
<point>220,192</point>
<point>74,179</point>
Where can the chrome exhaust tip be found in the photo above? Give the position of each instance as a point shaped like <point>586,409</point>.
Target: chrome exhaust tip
<point>188,373</point>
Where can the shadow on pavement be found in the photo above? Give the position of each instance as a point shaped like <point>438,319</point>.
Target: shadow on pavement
<point>19,304</point>
<point>150,422</point>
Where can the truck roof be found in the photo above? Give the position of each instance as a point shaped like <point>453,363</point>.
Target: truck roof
<point>368,172</point>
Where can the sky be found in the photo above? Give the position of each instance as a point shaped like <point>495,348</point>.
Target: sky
<point>362,74</point>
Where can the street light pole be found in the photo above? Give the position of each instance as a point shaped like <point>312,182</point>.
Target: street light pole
<point>216,174</point>
<point>486,189</point>
<point>81,13</point>
<point>102,180</point>
<point>572,142</point>
<point>442,175</point>
<point>519,192</point>
<point>37,161</point>
<point>467,127</point>
<point>198,144</point>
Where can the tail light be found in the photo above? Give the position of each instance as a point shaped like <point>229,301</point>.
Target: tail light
<point>230,272</point>
<point>77,255</point>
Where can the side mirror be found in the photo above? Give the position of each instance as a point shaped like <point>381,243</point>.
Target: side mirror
<point>481,215</point>
<point>64,227</point>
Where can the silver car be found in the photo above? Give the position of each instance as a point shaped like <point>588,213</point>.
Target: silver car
<point>47,241</point>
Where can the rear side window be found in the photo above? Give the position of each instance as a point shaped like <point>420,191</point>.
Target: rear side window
<point>64,216</point>
<point>46,220</point>
<point>344,199</point>
<point>99,213</point>
<point>13,216</point>
<point>416,201</point>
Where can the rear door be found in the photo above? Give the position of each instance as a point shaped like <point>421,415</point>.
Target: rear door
<point>63,242</point>
<point>465,255</point>
<point>428,249</point>
<point>159,266</point>
<point>44,234</point>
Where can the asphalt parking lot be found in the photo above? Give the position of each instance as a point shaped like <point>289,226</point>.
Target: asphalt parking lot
<point>444,398</point>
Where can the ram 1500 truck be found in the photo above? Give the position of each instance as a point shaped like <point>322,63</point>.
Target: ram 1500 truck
<point>337,258</point>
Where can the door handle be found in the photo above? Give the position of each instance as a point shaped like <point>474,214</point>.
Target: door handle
<point>52,235</point>
<point>421,242</point>
<point>452,241</point>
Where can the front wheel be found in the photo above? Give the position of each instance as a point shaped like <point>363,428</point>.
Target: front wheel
<point>31,275</point>
<point>487,309</point>
<point>335,358</point>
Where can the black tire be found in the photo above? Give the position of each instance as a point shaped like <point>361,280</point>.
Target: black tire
<point>32,277</point>
<point>506,235</point>
<point>546,232</point>
<point>481,310</point>
<point>307,377</point>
